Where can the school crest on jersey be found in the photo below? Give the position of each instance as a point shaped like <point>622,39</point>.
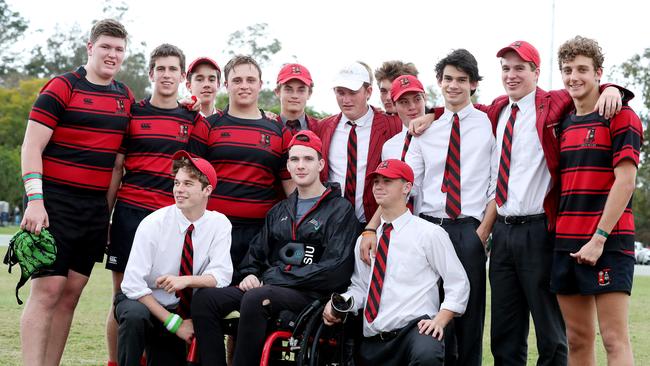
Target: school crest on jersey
<point>183,132</point>
<point>265,140</point>
<point>590,137</point>
<point>120,106</point>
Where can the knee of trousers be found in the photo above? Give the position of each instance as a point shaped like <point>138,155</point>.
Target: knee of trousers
<point>253,300</point>
<point>427,355</point>
<point>132,314</point>
<point>205,303</point>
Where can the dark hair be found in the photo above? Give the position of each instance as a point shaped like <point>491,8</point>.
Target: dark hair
<point>581,46</point>
<point>184,163</point>
<point>166,50</point>
<point>188,77</point>
<point>462,60</point>
<point>392,69</point>
<point>240,60</point>
<point>107,27</point>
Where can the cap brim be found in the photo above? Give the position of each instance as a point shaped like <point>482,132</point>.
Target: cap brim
<point>348,84</point>
<point>305,80</point>
<point>407,90</point>
<point>181,154</point>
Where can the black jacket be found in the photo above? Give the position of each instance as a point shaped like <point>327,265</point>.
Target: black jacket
<point>327,232</point>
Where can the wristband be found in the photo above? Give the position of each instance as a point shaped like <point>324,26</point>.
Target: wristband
<point>33,185</point>
<point>173,322</point>
<point>602,233</point>
<point>369,229</point>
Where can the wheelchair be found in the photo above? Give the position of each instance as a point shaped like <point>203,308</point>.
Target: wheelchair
<point>297,339</point>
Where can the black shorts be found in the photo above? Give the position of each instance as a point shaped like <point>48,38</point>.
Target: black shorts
<point>79,225</point>
<point>126,220</point>
<point>613,272</point>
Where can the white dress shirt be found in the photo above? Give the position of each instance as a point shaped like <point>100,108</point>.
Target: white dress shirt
<point>338,156</point>
<point>394,146</point>
<point>157,248</point>
<point>529,178</point>
<point>427,156</point>
<point>419,253</point>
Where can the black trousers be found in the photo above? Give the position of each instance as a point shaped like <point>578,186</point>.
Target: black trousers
<point>242,235</point>
<point>520,267</point>
<point>140,331</point>
<point>209,306</point>
<point>408,347</point>
<point>468,328</point>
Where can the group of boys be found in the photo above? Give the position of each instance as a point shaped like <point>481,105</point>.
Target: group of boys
<point>215,211</point>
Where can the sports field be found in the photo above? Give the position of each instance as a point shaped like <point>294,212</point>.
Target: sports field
<point>86,342</point>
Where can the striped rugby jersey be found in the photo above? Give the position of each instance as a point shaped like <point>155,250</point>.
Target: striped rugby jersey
<point>250,158</point>
<point>153,136</point>
<point>88,123</point>
<point>590,148</point>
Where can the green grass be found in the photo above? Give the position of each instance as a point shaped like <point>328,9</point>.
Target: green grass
<point>86,343</point>
<point>9,230</point>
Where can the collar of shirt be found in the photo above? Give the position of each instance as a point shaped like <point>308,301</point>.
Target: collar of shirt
<point>466,111</point>
<point>184,223</point>
<point>361,122</point>
<point>399,222</point>
<point>525,104</point>
<point>302,119</point>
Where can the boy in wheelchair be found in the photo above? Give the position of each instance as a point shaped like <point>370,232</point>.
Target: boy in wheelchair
<point>303,253</point>
<point>403,320</point>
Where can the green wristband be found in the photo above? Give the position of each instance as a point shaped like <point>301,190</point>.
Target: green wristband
<point>173,322</point>
<point>602,233</point>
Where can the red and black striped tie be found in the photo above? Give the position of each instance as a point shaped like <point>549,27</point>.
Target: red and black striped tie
<point>187,263</point>
<point>504,164</point>
<point>407,142</point>
<point>451,179</point>
<point>351,173</point>
<point>378,272</point>
<point>293,125</point>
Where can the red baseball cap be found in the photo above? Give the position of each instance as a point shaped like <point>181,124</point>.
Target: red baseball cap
<point>294,71</point>
<point>404,84</point>
<point>201,61</point>
<point>307,138</point>
<point>201,164</point>
<point>524,49</point>
<point>393,169</point>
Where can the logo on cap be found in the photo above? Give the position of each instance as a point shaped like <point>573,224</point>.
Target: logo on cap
<point>383,165</point>
<point>296,70</point>
<point>516,44</point>
<point>405,81</point>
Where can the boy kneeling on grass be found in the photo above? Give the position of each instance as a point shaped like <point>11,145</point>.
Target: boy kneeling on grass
<point>403,319</point>
<point>176,249</point>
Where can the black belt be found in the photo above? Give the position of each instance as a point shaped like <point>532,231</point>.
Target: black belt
<point>447,221</point>
<point>518,220</point>
<point>383,336</point>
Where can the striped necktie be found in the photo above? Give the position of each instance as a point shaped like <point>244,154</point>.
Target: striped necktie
<point>187,264</point>
<point>351,173</point>
<point>407,142</point>
<point>504,163</point>
<point>378,273</point>
<point>451,180</point>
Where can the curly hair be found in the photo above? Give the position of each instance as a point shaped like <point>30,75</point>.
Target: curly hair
<point>581,46</point>
<point>390,70</point>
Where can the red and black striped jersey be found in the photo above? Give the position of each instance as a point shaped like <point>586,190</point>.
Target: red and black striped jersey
<point>88,123</point>
<point>250,158</point>
<point>590,148</point>
<point>154,135</point>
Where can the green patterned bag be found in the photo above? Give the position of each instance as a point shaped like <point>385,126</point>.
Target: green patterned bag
<point>32,252</point>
